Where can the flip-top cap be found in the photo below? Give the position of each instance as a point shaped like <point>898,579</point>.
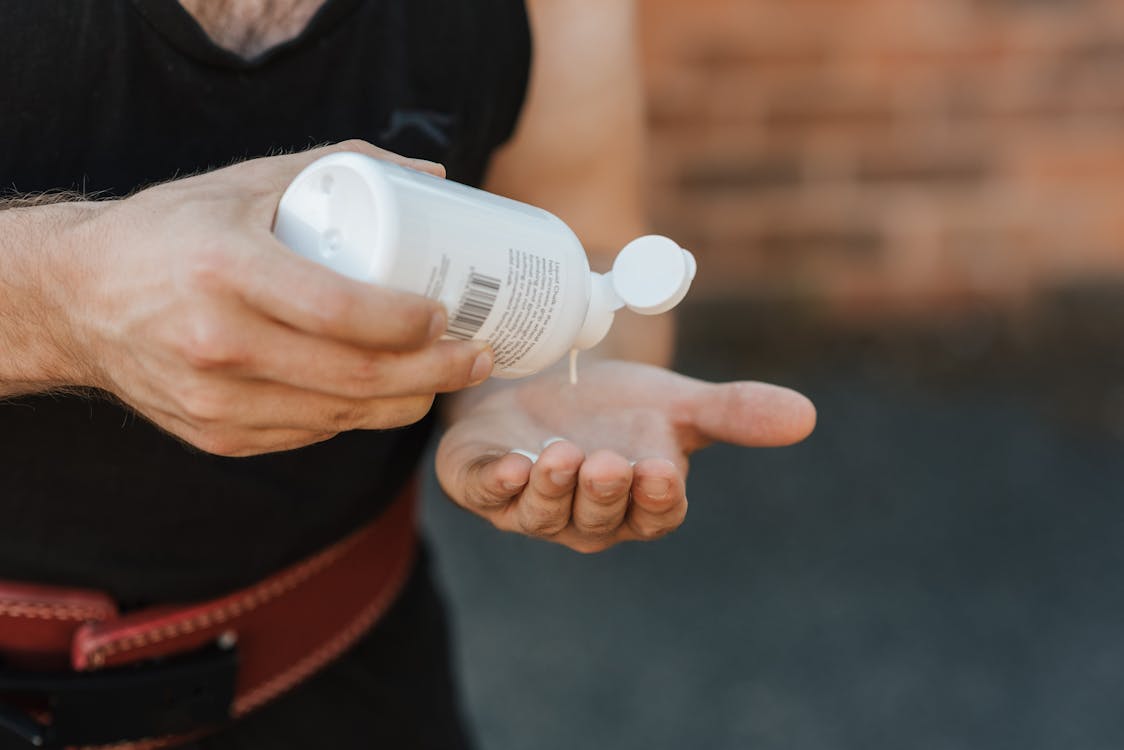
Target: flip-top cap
<point>652,274</point>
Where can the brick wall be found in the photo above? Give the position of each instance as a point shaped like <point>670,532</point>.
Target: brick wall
<point>868,155</point>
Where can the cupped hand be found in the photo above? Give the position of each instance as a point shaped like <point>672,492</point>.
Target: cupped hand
<point>608,456</point>
<point>192,312</point>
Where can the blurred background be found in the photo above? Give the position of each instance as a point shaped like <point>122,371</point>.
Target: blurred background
<point>913,211</point>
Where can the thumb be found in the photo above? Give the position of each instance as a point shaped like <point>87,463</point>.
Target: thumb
<point>755,415</point>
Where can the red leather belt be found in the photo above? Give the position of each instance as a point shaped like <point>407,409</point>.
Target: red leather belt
<point>76,673</point>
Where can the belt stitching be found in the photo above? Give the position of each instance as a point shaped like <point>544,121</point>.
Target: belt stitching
<point>290,677</point>
<point>248,602</point>
<point>321,656</point>
<point>40,611</point>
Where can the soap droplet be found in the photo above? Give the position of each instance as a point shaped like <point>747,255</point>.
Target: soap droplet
<point>573,367</point>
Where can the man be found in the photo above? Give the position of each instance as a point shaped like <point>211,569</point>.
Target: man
<point>249,391</point>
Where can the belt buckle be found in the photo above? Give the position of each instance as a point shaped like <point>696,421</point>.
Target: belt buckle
<point>169,696</point>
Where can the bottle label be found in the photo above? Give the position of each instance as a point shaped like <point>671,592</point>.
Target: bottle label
<point>476,303</point>
<point>511,307</point>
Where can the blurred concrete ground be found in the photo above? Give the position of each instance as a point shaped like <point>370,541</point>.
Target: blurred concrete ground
<point>939,566</point>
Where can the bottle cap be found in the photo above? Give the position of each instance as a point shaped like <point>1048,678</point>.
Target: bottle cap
<point>339,211</point>
<point>652,274</point>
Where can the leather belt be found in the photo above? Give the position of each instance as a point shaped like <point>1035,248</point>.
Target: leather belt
<point>74,672</point>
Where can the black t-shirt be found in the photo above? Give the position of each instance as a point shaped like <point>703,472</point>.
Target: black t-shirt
<point>112,95</point>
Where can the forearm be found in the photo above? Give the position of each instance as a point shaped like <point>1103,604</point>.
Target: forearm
<point>37,351</point>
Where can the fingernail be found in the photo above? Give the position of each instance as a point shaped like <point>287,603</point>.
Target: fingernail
<point>608,488</point>
<point>437,325</point>
<point>551,441</point>
<point>562,477</point>
<point>482,367</point>
<point>533,456</point>
<point>656,488</point>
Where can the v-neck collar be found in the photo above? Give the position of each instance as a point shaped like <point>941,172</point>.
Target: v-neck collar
<point>181,29</point>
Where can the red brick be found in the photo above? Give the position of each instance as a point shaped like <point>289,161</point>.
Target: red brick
<point>888,154</point>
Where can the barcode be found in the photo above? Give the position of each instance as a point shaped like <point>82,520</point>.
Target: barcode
<point>478,300</point>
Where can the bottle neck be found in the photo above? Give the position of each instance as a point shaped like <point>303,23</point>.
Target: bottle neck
<point>603,303</point>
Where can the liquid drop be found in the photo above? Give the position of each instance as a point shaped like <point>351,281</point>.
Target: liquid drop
<point>573,367</point>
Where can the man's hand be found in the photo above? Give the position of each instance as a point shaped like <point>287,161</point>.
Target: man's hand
<point>617,473</point>
<point>185,306</point>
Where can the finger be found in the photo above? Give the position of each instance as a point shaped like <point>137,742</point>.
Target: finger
<point>264,350</point>
<point>491,483</point>
<point>235,442</point>
<point>602,496</point>
<point>219,403</point>
<point>659,500</point>
<point>544,507</point>
<point>285,407</point>
<point>321,302</point>
<point>240,444</point>
<point>752,414</point>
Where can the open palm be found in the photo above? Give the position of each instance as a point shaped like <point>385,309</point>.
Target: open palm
<point>612,449</point>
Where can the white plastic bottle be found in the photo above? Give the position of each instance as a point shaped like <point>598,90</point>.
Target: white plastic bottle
<point>507,272</point>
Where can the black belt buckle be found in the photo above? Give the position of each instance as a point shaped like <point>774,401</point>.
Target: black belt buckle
<point>168,696</point>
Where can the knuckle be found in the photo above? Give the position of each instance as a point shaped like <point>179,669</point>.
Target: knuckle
<point>648,526</point>
<point>358,144</point>
<point>648,529</point>
<point>205,403</point>
<point>499,520</point>
<point>208,344</point>
<point>208,266</point>
<point>589,546</point>
<point>330,307</point>
<point>344,418</point>
<point>484,502</point>
<point>220,443</point>
<point>604,526</point>
<point>416,408</point>
<point>456,368</point>
<point>293,440</point>
<point>415,320</point>
<point>607,493</point>
<point>536,520</point>
<point>608,499</point>
<point>259,198</point>
<point>369,377</point>
<point>384,414</point>
<point>678,515</point>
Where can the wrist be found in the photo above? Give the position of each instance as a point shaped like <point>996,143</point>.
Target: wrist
<point>40,277</point>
